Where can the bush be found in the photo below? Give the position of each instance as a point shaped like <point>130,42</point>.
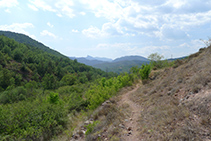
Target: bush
<point>14,95</point>
<point>145,71</point>
<point>90,127</point>
<point>53,98</point>
<point>28,120</point>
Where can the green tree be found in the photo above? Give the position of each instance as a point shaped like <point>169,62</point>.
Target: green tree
<point>156,60</point>
<point>69,79</point>
<point>53,98</point>
<point>145,71</point>
<point>18,55</point>
<point>49,81</point>
<point>2,59</point>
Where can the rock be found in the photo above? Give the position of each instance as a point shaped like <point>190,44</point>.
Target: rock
<point>129,128</point>
<point>126,120</point>
<point>81,133</point>
<point>75,137</point>
<point>105,139</point>
<point>187,97</point>
<point>88,122</point>
<point>106,102</point>
<point>129,133</point>
<point>121,125</point>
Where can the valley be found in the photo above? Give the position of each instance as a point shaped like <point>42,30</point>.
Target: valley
<point>45,95</point>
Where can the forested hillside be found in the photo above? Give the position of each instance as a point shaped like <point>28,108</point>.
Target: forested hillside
<point>119,65</point>
<point>21,38</point>
<point>38,90</point>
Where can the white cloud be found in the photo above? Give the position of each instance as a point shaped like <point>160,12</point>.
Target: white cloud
<point>104,8</point>
<point>75,30</point>
<point>7,10</point>
<point>108,30</point>
<point>32,7</point>
<point>18,27</point>
<point>8,3</point>
<point>64,7</point>
<point>47,33</point>
<point>42,5</point>
<point>93,32</point>
<point>171,33</point>
<point>50,25</point>
<point>148,17</point>
<point>83,13</point>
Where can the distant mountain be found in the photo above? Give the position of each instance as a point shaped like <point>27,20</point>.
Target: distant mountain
<point>99,59</point>
<point>131,58</point>
<point>119,65</point>
<point>87,61</point>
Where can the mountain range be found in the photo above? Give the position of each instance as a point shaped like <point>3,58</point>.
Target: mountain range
<point>118,65</point>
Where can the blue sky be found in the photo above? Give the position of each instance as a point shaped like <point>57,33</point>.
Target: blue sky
<point>111,28</point>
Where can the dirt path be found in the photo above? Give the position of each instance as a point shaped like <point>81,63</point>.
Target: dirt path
<point>131,123</point>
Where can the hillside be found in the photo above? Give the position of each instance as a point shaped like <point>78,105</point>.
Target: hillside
<point>21,38</point>
<point>131,58</point>
<point>87,61</point>
<point>119,65</point>
<point>40,90</point>
<point>175,105</point>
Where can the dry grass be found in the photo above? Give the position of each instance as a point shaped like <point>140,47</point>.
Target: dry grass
<point>176,105</point>
<point>170,110</point>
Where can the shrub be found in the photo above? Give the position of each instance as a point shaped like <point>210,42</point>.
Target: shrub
<point>145,71</point>
<point>31,120</point>
<point>90,127</point>
<point>53,98</point>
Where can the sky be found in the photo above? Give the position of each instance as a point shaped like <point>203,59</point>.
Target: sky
<point>111,28</point>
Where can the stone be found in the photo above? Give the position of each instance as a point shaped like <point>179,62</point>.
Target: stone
<point>129,133</point>
<point>75,137</point>
<point>87,122</point>
<point>121,125</point>
<point>129,128</point>
<point>106,102</point>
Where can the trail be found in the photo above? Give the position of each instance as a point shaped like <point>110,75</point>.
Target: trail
<point>135,109</point>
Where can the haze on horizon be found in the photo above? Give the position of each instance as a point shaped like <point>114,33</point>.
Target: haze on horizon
<point>111,28</point>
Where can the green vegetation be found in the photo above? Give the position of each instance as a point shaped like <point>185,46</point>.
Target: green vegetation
<point>157,62</point>
<point>145,71</point>
<point>120,66</point>
<point>21,38</point>
<point>38,90</point>
<point>90,127</point>
<point>105,89</point>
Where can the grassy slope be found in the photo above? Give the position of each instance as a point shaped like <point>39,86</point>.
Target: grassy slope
<point>177,103</point>
<point>175,106</point>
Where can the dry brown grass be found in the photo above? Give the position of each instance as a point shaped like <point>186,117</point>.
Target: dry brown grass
<point>176,105</point>
<point>170,110</point>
